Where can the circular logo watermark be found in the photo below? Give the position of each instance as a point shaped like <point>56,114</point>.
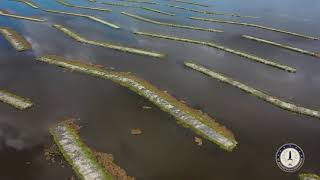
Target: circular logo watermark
<point>290,157</point>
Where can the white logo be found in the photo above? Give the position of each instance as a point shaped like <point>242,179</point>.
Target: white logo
<point>290,157</point>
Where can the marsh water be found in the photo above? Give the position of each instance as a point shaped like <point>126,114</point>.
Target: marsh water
<point>107,112</point>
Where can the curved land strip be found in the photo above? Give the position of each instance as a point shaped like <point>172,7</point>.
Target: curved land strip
<point>214,45</point>
<point>15,101</point>
<point>17,41</point>
<point>82,7</point>
<point>78,155</point>
<point>270,99</point>
<point>209,12</point>
<point>188,117</point>
<point>85,16</point>
<point>308,176</point>
<point>169,24</point>
<point>139,7</point>
<point>29,3</point>
<point>2,13</point>
<point>282,46</point>
<point>75,36</point>
<point>256,26</point>
<point>141,1</point>
<point>192,3</point>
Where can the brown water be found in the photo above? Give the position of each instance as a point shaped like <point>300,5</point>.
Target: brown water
<point>108,112</point>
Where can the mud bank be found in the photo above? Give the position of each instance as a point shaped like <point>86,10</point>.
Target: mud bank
<point>16,40</point>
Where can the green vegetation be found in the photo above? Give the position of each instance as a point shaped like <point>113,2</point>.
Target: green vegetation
<point>168,24</point>
<point>82,7</point>
<point>2,13</point>
<point>209,12</point>
<point>270,99</point>
<point>281,45</point>
<point>192,3</point>
<point>139,7</point>
<point>85,16</point>
<point>29,3</point>
<point>17,41</point>
<point>15,101</point>
<point>256,26</point>
<point>308,176</point>
<point>188,117</point>
<point>106,44</point>
<point>214,45</point>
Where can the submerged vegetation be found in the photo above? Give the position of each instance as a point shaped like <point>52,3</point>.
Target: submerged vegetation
<point>188,117</point>
<point>14,100</point>
<point>3,13</point>
<point>106,44</point>
<point>273,100</point>
<point>63,2</point>
<point>209,12</point>
<point>308,176</point>
<point>192,3</point>
<point>139,7</point>
<point>85,16</point>
<point>282,46</point>
<point>254,25</point>
<point>168,24</point>
<point>17,41</point>
<point>214,45</point>
<point>29,3</point>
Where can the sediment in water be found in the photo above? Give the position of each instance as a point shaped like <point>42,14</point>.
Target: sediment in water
<point>192,3</point>
<point>3,13</point>
<point>268,98</point>
<point>85,16</point>
<point>169,24</point>
<point>281,45</point>
<point>254,25</point>
<point>209,12</point>
<point>82,7</point>
<point>106,44</point>
<point>16,40</point>
<point>138,7</point>
<point>15,101</point>
<point>29,3</point>
<point>214,45</point>
<point>188,117</point>
<point>309,176</point>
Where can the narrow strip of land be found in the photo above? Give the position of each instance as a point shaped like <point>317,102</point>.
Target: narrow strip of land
<point>169,24</point>
<point>260,94</point>
<point>209,12</point>
<point>16,40</point>
<point>77,37</point>
<point>2,13</point>
<point>15,101</point>
<point>214,45</point>
<point>141,1</point>
<point>192,3</point>
<point>256,26</point>
<point>282,46</point>
<point>85,16</point>
<point>29,3</point>
<point>188,117</point>
<point>309,176</point>
<point>82,7</point>
<point>138,7</point>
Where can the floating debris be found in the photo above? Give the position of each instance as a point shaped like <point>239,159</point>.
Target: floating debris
<point>136,131</point>
<point>146,107</point>
<point>141,1</point>
<point>17,41</point>
<point>29,3</point>
<point>273,100</point>
<point>188,117</point>
<point>308,176</point>
<point>85,16</point>
<point>106,44</point>
<point>15,101</point>
<point>139,7</point>
<point>169,24</point>
<point>78,155</point>
<point>281,45</point>
<point>198,141</point>
<point>210,12</point>
<point>214,45</point>
<point>82,7</point>
<point>3,13</point>
<point>256,26</point>
<point>192,3</point>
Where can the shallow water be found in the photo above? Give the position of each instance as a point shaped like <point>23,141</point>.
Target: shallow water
<point>108,112</point>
